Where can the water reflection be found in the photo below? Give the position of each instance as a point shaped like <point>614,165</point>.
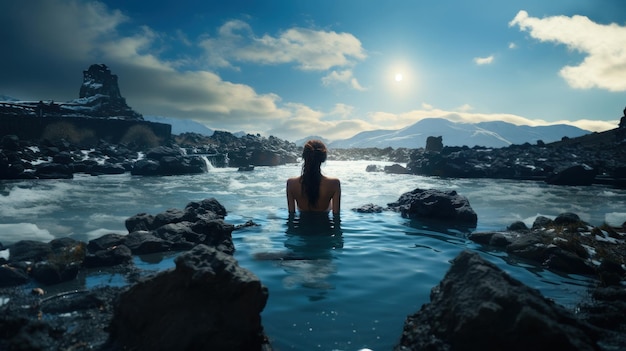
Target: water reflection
<point>441,226</point>
<point>313,235</point>
<point>312,241</point>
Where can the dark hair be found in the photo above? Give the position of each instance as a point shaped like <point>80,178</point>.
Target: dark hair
<point>313,154</point>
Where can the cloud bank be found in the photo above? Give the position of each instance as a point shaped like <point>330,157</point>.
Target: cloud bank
<point>604,47</point>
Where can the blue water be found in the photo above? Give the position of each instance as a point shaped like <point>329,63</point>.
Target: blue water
<point>349,290</point>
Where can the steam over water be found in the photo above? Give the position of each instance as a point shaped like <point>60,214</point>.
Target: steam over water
<point>349,290</point>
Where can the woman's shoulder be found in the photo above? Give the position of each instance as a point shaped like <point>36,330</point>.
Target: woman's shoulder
<point>294,180</point>
<point>331,180</point>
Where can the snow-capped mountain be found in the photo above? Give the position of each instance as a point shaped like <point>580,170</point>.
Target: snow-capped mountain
<point>488,134</point>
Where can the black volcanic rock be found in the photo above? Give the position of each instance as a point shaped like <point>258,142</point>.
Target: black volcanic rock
<point>208,302</point>
<point>100,95</point>
<point>435,204</point>
<point>477,306</point>
<point>574,175</point>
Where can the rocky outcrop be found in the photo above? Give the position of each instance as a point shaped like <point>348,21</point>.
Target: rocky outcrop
<point>443,205</point>
<point>574,175</point>
<point>100,95</point>
<point>595,158</point>
<point>564,245</point>
<point>166,161</point>
<point>242,152</point>
<point>395,169</point>
<point>477,306</point>
<point>48,263</point>
<point>200,222</point>
<point>21,159</point>
<point>368,208</point>
<point>434,144</point>
<point>208,302</point>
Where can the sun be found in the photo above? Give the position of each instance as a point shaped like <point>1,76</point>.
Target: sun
<point>399,77</point>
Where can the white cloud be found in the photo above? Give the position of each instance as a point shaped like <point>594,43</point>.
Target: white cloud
<point>310,49</point>
<point>512,46</point>
<point>604,46</point>
<point>343,77</point>
<point>150,84</point>
<point>305,121</point>
<point>153,85</point>
<point>483,60</point>
<point>342,110</point>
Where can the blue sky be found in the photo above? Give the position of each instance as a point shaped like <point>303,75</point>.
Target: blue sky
<point>331,68</point>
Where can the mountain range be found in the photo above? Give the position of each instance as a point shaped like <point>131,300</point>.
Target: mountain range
<point>488,134</point>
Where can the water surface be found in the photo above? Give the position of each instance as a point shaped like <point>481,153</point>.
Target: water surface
<point>348,289</point>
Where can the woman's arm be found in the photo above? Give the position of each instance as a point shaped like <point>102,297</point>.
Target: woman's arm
<point>291,201</point>
<point>336,200</point>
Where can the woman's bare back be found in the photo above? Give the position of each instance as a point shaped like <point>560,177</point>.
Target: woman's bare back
<point>329,196</point>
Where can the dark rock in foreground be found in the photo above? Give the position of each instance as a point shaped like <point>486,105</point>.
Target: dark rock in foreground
<point>479,307</point>
<point>74,320</point>
<point>207,302</point>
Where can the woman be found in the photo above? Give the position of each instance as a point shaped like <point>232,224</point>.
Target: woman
<point>312,191</point>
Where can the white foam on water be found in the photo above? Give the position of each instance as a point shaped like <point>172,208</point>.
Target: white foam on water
<point>615,219</point>
<point>14,232</point>
<point>24,202</point>
<point>208,163</point>
<point>4,254</point>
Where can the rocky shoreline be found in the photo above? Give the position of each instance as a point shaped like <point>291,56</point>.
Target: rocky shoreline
<point>598,158</point>
<point>499,313</point>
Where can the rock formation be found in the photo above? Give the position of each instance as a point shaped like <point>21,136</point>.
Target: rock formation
<point>100,95</point>
<point>477,306</point>
<point>208,302</point>
<point>434,144</point>
<point>435,204</point>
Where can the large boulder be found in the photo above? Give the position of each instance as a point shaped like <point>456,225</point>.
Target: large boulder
<point>395,169</point>
<point>574,175</point>
<point>434,144</point>
<point>208,302</point>
<point>54,171</point>
<point>477,306</point>
<point>435,204</point>
<point>29,250</point>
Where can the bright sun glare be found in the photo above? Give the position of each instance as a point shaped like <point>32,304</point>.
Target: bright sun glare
<point>398,77</point>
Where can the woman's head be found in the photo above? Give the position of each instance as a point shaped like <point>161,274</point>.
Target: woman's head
<point>313,155</point>
<point>314,152</point>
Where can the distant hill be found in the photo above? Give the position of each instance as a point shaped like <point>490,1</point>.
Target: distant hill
<point>489,134</point>
<point>180,126</point>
